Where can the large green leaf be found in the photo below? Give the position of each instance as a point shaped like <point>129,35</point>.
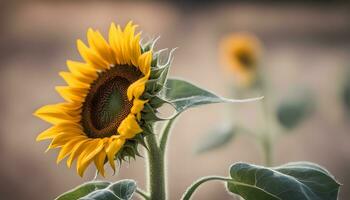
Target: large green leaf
<point>121,190</point>
<point>83,190</point>
<point>293,181</point>
<point>183,95</point>
<point>216,138</point>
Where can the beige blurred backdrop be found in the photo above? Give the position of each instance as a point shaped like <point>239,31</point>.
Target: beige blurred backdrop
<point>306,45</point>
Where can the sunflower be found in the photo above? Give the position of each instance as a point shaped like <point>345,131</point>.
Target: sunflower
<point>102,116</point>
<point>241,53</point>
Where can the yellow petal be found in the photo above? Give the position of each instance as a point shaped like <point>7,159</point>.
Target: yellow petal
<point>57,113</point>
<point>115,43</point>
<point>62,138</point>
<point>144,62</point>
<point>93,151</point>
<point>91,56</point>
<point>71,94</point>
<point>67,149</point>
<point>99,162</point>
<point>137,88</point>
<point>82,69</point>
<point>78,148</point>
<point>75,81</point>
<point>99,44</point>
<point>113,147</point>
<point>48,134</point>
<point>135,49</point>
<point>129,127</point>
<point>137,107</point>
<point>87,155</point>
<point>57,129</point>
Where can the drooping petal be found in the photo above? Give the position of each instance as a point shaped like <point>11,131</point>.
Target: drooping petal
<point>67,149</point>
<point>113,147</point>
<point>129,127</point>
<point>136,89</point>
<point>137,107</point>
<point>87,155</point>
<point>78,148</point>
<point>99,162</point>
<point>62,138</point>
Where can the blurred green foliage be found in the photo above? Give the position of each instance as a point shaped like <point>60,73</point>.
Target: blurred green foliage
<point>291,112</point>
<point>346,95</point>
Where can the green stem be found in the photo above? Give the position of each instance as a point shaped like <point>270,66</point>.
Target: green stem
<point>142,194</point>
<point>165,135</point>
<point>190,191</point>
<point>267,148</point>
<point>156,170</point>
<point>266,139</point>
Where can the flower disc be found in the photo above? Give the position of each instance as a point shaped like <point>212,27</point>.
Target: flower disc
<point>107,104</point>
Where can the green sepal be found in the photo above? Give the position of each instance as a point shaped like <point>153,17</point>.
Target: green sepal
<point>149,45</point>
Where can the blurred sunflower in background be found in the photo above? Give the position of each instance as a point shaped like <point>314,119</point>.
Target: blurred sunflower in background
<point>241,53</point>
<point>101,118</point>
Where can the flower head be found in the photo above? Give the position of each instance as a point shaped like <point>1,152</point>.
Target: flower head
<point>241,53</point>
<point>102,116</point>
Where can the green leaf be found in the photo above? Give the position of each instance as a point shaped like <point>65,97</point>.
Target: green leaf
<point>183,95</point>
<point>121,190</point>
<point>215,139</point>
<point>291,112</point>
<point>346,95</point>
<point>293,181</point>
<point>83,190</point>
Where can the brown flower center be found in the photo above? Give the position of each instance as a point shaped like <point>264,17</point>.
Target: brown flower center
<point>107,104</point>
<point>246,59</point>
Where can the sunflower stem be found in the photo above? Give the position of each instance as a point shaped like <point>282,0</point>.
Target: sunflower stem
<point>165,134</point>
<point>266,139</point>
<point>156,169</point>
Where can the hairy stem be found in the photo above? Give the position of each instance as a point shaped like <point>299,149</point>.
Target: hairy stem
<point>165,135</point>
<point>156,170</point>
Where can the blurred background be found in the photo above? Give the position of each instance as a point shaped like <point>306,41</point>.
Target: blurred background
<point>305,45</point>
